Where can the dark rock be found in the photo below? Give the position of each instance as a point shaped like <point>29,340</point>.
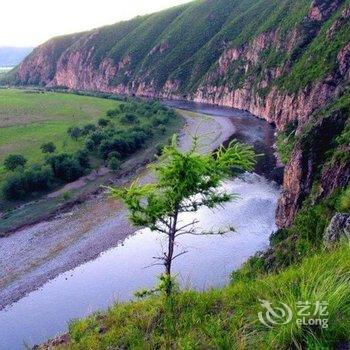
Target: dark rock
<point>339,227</point>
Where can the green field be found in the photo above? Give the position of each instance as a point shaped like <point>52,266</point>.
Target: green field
<point>28,119</point>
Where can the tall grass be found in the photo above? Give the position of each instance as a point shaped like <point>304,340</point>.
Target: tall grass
<point>228,318</point>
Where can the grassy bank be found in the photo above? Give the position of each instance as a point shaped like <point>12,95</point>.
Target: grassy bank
<point>227,318</point>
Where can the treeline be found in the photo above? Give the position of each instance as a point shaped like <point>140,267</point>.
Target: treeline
<point>123,131</point>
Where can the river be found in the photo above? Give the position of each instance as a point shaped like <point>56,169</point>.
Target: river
<point>117,273</point>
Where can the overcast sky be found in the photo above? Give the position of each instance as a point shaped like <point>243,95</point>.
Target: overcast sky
<point>31,22</point>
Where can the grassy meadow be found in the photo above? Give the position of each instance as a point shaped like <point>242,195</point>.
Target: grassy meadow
<point>28,119</point>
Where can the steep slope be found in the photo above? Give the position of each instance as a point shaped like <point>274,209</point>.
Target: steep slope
<point>286,61</point>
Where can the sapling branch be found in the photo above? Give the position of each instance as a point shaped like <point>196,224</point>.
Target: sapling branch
<point>185,182</point>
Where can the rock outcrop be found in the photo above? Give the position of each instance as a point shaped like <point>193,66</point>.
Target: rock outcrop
<point>338,228</point>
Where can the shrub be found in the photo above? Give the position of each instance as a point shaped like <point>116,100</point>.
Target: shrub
<point>105,148</point>
<point>67,195</point>
<point>114,154</point>
<point>83,158</point>
<point>112,112</point>
<point>38,178</point>
<point>14,187</point>
<point>35,179</point>
<point>48,147</point>
<point>74,133</point>
<point>128,118</point>
<point>114,164</point>
<point>87,129</point>
<point>162,129</point>
<point>286,141</point>
<point>97,137</point>
<point>65,167</point>
<point>124,144</point>
<point>103,122</point>
<point>159,149</point>
<point>90,145</point>
<point>345,200</point>
<point>159,120</point>
<point>13,161</point>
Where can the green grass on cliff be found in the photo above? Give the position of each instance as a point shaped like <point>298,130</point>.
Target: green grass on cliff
<point>227,318</point>
<point>320,57</point>
<point>184,43</point>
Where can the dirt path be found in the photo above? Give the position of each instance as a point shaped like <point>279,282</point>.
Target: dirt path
<point>32,256</point>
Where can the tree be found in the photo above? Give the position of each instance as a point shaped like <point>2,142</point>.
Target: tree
<point>128,118</point>
<point>185,182</point>
<point>114,154</point>
<point>112,112</point>
<point>114,164</point>
<point>74,133</point>
<point>87,129</point>
<point>83,158</point>
<point>14,187</point>
<point>48,147</point>
<point>65,167</point>
<point>90,145</point>
<point>103,122</point>
<point>13,161</point>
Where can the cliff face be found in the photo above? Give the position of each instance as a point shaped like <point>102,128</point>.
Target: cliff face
<point>281,60</point>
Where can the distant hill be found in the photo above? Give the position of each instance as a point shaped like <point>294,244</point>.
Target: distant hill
<point>12,56</point>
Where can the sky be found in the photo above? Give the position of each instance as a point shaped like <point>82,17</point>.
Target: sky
<point>32,22</point>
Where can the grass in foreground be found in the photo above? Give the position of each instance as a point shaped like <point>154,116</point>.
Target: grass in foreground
<point>228,318</point>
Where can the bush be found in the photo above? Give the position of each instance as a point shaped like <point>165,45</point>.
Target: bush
<point>13,161</point>
<point>14,187</point>
<point>128,118</point>
<point>48,147</point>
<point>35,179</point>
<point>90,145</point>
<point>103,122</point>
<point>162,129</point>
<point>83,158</point>
<point>114,154</point>
<point>97,137</point>
<point>159,120</point>
<point>345,200</point>
<point>66,167</point>
<point>87,129</point>
<point>38,178</point>
<point>112,112</point>
<point>125,144</point>
<point>159,149</point>
<point>74,133</point>
<point>114,164</point>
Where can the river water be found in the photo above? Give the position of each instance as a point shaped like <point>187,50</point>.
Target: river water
<point>119,272</point>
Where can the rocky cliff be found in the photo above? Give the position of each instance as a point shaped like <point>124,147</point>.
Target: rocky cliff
<point>282,60</point>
